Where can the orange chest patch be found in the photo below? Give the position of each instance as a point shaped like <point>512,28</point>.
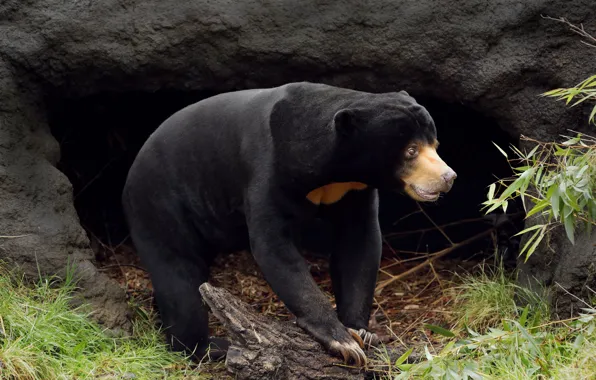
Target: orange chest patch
<point>333,192</point>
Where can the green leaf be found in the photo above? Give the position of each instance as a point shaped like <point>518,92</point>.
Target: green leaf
<point>533,151</point>
<point>439,330</point>
<point>495,206</point>
<point>561,152</point>
<point>554,200</point>
<point>569,228</point>
<point>491,191</point>
<point>427,353</point>
<point>528,337</point>
<point>572,141</point>
<point>529,229</point>
<point>404,357</point>
<point>579,339</point>
<point>404,367</point>
<point>524,316</point>
<point>501,150</point>
<point>538,207</point>
<point>511,188</point>
<point>447,348</point>
<point>592,115</point>
<point>535,244</point>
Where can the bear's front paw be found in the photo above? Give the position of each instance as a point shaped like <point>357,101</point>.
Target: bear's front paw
<point>337,339</point>
<point>370,339</point>
<point>350,348</point>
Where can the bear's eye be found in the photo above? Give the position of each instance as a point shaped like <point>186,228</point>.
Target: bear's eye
<point>411,152</point>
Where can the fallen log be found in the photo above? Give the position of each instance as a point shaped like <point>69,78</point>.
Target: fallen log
<point>264,348</point>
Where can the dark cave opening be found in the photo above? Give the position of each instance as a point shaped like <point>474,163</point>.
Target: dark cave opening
<point>467,141</point>
<point>100,136</point>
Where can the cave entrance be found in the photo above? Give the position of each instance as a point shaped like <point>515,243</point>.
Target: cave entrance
<point>467,140</point>
<point>100,136</point>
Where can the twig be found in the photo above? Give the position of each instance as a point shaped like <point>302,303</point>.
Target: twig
<point>406,216</point>
<point>122,265</point>
<point>455,223</point>
<point>450,224</point>
<point>576,29</point>
<point>435,256</point>
<point>99,174</point>
<point>434,224</point>
<point>13,237</point>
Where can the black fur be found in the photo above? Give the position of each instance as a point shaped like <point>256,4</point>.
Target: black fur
<point>232,172</point>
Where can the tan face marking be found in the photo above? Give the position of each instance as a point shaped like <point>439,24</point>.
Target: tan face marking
<point>333,192</point>
<point>425,178</point>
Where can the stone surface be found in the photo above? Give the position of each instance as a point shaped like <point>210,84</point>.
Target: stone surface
<point>495,57</point>
<point>38,224</point>
<point>561,272</point>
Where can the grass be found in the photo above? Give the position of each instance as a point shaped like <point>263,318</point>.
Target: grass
<point>495,338</point>
<point>43,337</point>
<point>488,296</point>
<point>492,337</point>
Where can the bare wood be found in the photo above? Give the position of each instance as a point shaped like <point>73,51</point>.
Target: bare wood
<point>264,348</point>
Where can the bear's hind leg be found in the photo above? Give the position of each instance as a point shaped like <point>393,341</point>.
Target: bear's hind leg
<point>183,313</point>
<point>178,261</point>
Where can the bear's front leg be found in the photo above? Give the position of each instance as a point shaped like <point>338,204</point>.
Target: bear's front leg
<point>355,259</point>
<point>286,272</point>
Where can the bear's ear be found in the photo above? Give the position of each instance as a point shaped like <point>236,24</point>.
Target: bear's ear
<point>347,121</point>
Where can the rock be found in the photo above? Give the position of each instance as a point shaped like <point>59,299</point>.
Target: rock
<point>562,273</point>
<point>494,57</point>
<point>39,226</point>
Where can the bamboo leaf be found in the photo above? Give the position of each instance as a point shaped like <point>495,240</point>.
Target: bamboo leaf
<point>533,151</point>
<point>572,141</point>
<point>530,240</point>
<point>524,316</point>
<point>439,330</point>
<point>536,242</point>
<point>538,207</point>
<point>537,226</point>
<point>554,200</point>
<point>592,115</point>
<point>404,357</point>
<point>569,228</point>
<point>501,150</point>
<point>515,185</point>
<point>491,191</point>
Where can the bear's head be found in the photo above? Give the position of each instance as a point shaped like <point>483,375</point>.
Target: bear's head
<point>393,145</point>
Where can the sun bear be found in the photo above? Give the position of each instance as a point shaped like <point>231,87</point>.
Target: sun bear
<point>245,170</point>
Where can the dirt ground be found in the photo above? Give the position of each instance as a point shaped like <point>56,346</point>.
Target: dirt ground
<point>399,312</point>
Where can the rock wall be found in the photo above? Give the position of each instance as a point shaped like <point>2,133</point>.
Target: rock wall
<point>494,57</point>
<point>38,223</point>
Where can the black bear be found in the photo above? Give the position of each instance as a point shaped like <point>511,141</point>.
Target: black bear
<point>247,170</point>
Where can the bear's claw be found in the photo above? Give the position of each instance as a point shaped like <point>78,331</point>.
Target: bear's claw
<point>351,350</point>
<point>369,339</point>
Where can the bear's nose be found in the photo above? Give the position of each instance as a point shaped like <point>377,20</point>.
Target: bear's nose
<point>449,176</point>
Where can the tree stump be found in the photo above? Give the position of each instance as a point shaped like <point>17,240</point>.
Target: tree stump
<point>263,348</point>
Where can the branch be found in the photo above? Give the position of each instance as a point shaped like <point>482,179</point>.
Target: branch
<point>433,257</point>
<point>265,348</point>
<point>576,29</point>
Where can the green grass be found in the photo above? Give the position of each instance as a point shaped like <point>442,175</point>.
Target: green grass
<point>497,339</point>
<point>486,297</point>
<point>43,337</point>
